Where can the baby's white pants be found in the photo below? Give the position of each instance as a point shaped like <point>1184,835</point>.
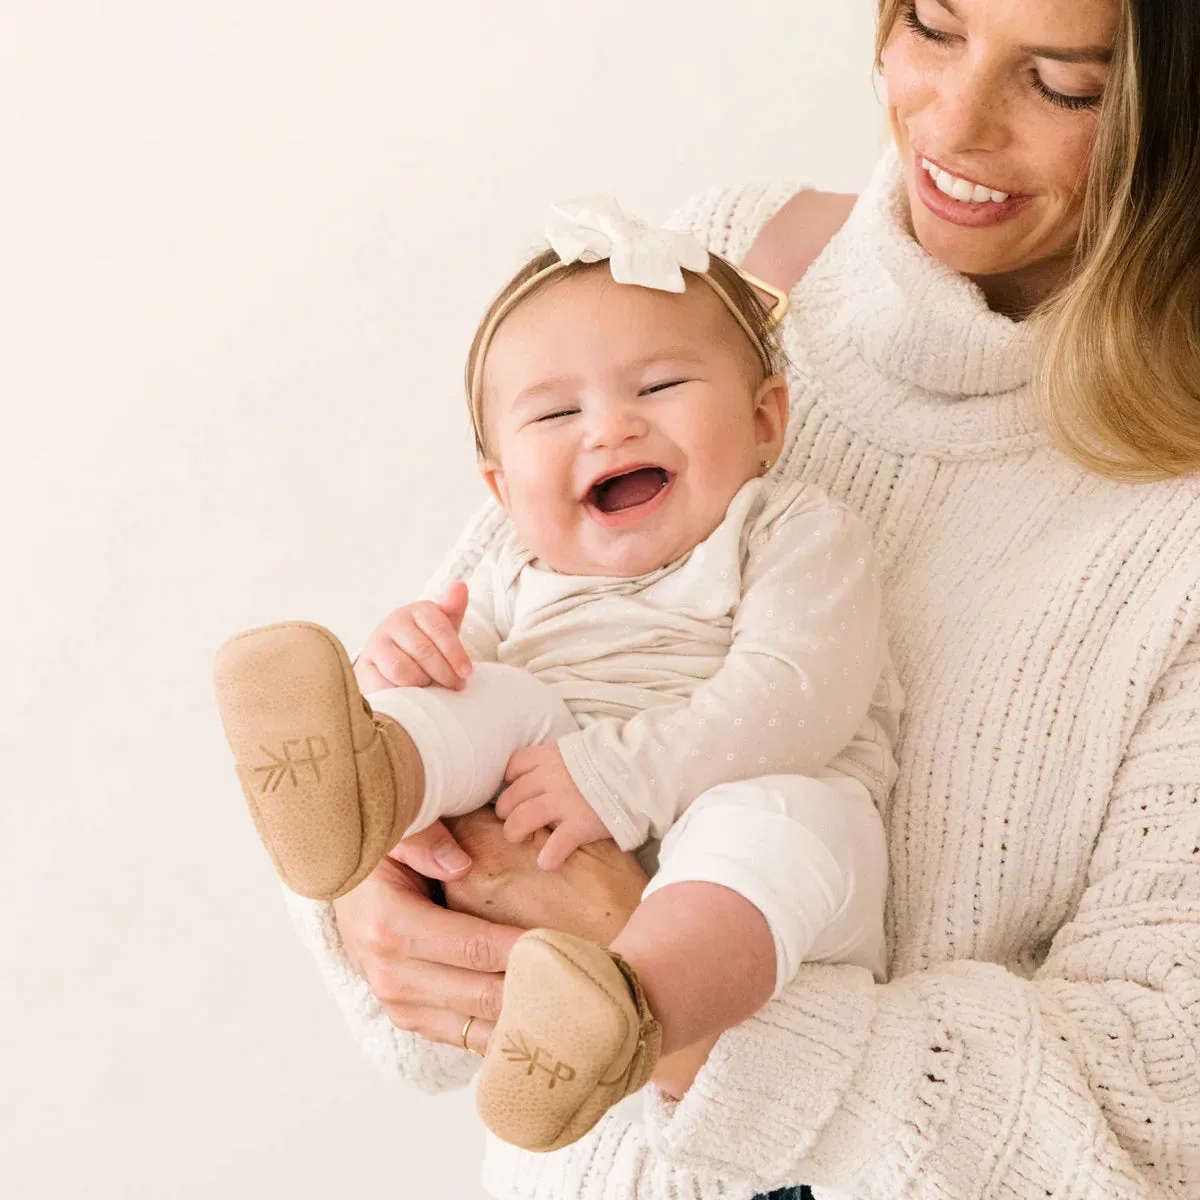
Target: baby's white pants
<point>808,852</point>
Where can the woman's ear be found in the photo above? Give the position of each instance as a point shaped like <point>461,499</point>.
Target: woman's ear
<point>493,476</point>
<point>770,417</point>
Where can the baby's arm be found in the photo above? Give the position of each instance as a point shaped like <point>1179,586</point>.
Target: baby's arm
<point>796,685</point>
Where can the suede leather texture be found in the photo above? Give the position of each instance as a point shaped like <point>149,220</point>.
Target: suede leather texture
<point>575,1036</point>
<point>331,787</point>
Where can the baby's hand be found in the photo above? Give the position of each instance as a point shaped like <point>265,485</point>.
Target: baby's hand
<point>541,794</point>
<point>417,645</point>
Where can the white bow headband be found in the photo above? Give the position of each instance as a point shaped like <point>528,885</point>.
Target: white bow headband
<point>594,229</point>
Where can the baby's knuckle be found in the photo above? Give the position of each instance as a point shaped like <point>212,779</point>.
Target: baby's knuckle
<point>387,656</point>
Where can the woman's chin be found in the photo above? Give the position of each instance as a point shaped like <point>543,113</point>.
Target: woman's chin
<point>965,251</point>
<point>999,251</point>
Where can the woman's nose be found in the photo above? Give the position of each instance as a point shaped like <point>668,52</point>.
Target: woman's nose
<point>969,111</point>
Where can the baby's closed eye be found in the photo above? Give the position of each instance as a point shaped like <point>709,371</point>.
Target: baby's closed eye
<point>661,387</point>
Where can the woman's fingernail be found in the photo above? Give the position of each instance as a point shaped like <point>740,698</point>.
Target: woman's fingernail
<point>451,857</point>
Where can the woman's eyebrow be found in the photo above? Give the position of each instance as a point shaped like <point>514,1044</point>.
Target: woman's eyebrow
<point>1081,54</point>
<point>1085,54</point>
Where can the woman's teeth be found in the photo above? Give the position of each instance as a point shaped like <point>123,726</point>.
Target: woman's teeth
<point>960,189</point>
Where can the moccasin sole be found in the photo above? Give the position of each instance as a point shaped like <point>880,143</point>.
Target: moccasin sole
<point>328,782</point>
<point>574,1037</point>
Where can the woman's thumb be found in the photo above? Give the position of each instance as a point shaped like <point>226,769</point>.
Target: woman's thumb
<point>433,853</point>
<point>454,603</point>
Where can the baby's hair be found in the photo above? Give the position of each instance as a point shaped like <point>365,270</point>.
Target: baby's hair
<point>749,303</point>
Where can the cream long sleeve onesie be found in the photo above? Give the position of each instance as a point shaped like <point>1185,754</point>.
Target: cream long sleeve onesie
<point>737,706</point>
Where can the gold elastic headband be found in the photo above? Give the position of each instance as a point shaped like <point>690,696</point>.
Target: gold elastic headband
<point>779,310</point>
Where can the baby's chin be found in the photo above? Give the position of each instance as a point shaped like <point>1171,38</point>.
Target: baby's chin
<point>624,559</point>
<point>614,567</point>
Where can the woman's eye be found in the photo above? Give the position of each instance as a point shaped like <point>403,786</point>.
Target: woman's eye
<point>919,27</point>
<point>1062,100</point>
<point>661,387</point>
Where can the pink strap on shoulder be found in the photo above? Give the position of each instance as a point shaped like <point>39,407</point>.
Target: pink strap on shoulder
<point>792,240</point>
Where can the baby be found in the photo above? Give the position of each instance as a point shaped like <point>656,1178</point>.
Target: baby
<point>661,645</point>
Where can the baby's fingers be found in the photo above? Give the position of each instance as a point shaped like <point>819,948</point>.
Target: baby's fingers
<point>369,678</point>
<point>393,666</point>
<point>449,664</point>
<point>525,789</point>
<point>425,654</point>
<point>527,817</point>
<point>563,840</point>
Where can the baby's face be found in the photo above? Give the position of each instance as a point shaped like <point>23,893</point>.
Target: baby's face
<point>622,420</point>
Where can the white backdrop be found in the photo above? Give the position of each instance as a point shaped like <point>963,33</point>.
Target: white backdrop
<point>243,246</point>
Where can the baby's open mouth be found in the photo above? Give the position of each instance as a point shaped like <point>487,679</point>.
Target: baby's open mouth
<point>619,492</point>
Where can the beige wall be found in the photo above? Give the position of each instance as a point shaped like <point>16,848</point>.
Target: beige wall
<point>243,245</point>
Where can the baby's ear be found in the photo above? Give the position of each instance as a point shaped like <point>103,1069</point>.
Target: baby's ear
<point>770,416</point>
<point>493,476</point>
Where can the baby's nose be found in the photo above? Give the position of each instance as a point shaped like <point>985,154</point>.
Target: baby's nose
<point>616,422</point>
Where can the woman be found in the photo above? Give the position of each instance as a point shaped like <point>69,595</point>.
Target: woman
<point>1030,486</point>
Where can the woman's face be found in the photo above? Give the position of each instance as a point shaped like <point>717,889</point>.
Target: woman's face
<point>994,106</point>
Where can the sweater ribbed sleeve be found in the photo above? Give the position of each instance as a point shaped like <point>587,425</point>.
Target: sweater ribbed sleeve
<point>401,1057</point>
<point>968,1080</point>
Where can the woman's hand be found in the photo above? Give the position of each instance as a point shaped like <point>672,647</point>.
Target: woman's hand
<point>591,895</point>
<point>431,968</point>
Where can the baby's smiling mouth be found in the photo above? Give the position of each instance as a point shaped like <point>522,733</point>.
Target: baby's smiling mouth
<point>617,493</point>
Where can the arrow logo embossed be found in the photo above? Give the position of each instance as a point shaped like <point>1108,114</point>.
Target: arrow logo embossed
<point>283,766</point>
<point>516,1050</point>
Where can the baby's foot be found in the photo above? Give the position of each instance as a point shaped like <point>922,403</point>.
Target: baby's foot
<point>575,1036</point>
<point>331,786</point>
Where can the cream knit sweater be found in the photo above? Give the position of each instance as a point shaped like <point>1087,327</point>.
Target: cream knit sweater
<point>1040,1033</point>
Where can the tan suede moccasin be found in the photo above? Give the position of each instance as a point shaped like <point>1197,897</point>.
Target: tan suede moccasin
<point>331,785</point>
<point>575,1036</point>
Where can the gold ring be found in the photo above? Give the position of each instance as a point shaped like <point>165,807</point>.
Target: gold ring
<point>467,1026</point>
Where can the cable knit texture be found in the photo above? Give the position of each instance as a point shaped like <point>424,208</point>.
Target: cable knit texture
<point>1040,1033</point>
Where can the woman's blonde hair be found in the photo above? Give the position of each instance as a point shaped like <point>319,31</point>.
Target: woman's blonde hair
<point>753,308</point>
<point>1118,377</point>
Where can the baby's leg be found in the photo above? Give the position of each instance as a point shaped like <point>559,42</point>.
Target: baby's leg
<point>755,878</point>
<point>333,784</point>
<point>465,738</point>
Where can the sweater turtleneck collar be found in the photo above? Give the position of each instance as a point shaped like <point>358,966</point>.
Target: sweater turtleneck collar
<point>905,348</point>
<point>955,345</point>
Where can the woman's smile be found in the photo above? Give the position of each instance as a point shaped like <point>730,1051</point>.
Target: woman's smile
<point>946,196</point>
